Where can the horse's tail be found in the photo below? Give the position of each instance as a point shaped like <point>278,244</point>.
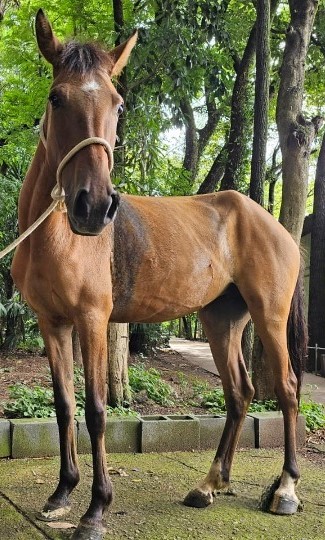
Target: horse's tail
<point>298,332</point>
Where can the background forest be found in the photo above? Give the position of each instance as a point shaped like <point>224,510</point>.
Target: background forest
<point>206,99</point>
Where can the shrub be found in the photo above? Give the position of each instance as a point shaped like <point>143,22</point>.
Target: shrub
<point>151,382</point>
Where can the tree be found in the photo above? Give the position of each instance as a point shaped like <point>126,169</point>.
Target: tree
<point>296,134</point>
<point>118,334</point>
<point>262,376</point>
<point>118,353</point>
<point>316,314</point>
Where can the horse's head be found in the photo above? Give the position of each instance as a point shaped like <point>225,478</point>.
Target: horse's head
<point>83,104</point>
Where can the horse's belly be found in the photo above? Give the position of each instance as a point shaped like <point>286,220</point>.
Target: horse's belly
<point>166,299</point>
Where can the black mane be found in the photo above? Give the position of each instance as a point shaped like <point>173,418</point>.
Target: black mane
<point>82,58</point>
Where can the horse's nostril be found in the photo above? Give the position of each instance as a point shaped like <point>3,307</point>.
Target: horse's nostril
<point>81,208</point>
<point>111,211</point>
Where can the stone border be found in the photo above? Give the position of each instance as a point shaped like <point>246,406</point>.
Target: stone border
<point>29,437</point>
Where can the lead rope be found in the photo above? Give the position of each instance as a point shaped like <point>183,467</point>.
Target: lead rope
<point>58,193</point>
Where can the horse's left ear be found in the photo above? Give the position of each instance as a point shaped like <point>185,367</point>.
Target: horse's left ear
<point>48,43</point>
<point>119,56</point>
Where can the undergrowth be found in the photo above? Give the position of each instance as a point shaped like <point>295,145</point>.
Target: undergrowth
<point>38,402</point>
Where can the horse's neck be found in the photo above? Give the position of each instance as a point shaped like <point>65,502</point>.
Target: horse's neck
<point>35,195</point>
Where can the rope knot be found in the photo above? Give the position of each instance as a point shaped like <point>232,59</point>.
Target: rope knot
<point>58,195</point>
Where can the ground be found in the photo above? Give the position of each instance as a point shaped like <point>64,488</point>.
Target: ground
<point>149,489</point>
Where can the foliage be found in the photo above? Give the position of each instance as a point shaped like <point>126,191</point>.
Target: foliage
<point>151,382</point>
<point>145,337</point>
<point>36,402</point>
<point>314,414</point>
<point>120,411</point>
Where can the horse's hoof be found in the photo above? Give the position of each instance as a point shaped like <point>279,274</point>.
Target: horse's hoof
<point>198,499</point>
<point>283,506</point>
<point>87,532</point>
<point>54,514</point>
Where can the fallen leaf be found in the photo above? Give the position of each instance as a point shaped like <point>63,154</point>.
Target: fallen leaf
<point>120,472</point>
<point>39,481</point>
<point>61,525</point>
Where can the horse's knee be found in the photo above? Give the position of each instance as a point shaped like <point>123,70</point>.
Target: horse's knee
<point>95,413</point>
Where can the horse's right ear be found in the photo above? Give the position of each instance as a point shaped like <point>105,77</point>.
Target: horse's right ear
<point>48,43</point>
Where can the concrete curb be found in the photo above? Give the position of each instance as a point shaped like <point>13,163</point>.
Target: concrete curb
<point>30,437</point>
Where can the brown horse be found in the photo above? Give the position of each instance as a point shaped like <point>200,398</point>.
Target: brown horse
<point>127,258</point>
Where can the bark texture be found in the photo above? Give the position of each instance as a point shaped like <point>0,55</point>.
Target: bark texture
<point>262,376</point>
<point>261,105</point>
<point>118,380</point>
<point>295,132</point>
<point>316,315</point>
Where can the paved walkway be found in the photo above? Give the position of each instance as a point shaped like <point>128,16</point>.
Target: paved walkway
<point>148,491</point>
<point>199,354</point>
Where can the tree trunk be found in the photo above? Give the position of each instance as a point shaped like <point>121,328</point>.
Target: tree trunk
<point>261,105</point>
<point>316,314</point>
<point>261,373</point>
<point>187,328</point>
<point>295,133</point>
<point>215,174</point>
<point>118,353</point>
<point>190,162</point>
<point>76,349</point>
<point>239,122</point>
<point>119,157</point>
<point>118,334</point>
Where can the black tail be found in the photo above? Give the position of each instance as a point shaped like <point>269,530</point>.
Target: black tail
<point>298,332</point>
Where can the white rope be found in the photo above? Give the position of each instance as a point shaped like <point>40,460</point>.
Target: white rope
<point>57,193</point>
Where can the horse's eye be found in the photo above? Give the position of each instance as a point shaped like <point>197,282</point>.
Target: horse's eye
<point>54,100</point>
<point>120,109</point>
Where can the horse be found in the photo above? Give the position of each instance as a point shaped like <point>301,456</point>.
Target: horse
<point>117,257</point>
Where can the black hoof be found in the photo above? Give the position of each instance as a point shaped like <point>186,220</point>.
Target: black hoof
<point>84,532</point>
<point>198,499</point>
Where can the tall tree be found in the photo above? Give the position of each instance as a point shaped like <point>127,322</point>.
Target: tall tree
<point>316,314</point>
<point>262,376</point>
<point>296,134</point>
<point>118,334</point>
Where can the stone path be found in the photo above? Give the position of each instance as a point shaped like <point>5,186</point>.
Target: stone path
<point>199,354</point>
<point>149,489</point>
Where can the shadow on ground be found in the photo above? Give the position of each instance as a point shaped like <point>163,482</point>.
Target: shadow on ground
<point>148,492</point>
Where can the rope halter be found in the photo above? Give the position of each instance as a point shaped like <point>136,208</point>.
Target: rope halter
<point>58,193</point>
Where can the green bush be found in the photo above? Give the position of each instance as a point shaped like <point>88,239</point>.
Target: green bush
<point>151,382</point>
<point>314,414</point>
<point>36,402</point>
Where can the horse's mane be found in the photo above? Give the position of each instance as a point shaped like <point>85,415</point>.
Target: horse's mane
<point>83,58</point>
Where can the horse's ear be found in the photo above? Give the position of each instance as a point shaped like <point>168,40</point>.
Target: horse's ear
<point>119,56</point>
<point>48,43</point>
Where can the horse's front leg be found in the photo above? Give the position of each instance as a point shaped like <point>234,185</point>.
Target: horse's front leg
<point>93,339</point>
<point>58,343</point>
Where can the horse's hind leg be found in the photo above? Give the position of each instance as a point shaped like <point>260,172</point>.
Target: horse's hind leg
<point>282,498</point>
<point>58,344</point>
<point>223,322</point>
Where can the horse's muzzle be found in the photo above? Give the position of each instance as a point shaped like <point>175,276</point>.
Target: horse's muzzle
<point>89,219</point>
